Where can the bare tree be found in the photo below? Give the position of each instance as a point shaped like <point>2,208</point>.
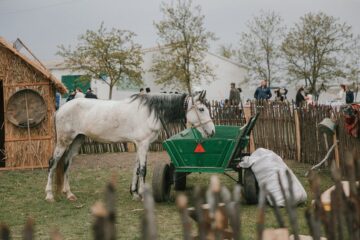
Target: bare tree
<point>317,50</point>
<point>109,56</point>
<point>183,41</point>
<point>260,47</point>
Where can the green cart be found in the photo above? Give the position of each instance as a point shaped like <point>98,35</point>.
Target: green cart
<point>190,153</point>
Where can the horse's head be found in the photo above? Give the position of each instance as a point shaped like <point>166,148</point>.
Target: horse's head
<point>198,115</point>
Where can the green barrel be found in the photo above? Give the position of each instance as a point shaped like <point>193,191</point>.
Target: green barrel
<point>189,152</point>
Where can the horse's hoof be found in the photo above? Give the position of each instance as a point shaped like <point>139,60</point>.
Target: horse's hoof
<point>72,198</point>
<point>49,199</point>
<point>136,197</point>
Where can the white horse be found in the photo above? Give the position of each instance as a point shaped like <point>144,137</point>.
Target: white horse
<point>136,119</point>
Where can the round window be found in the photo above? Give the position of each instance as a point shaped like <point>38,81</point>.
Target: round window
<point>26,108</point>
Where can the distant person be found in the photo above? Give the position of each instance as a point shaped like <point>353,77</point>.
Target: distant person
<point>89,94</point>
<point>234,97</point>
<point>349,95</point>
<point>263,91</point>
<point>71,95</point>
<point>79,93</point>
<point>147,90</point>
<point>226,109</point>
<point>309,99</point>
<point>57,100</point>
<point>142,91</point>
<point>300,98</point>
<point>341,94</point>
<point>280,94</point>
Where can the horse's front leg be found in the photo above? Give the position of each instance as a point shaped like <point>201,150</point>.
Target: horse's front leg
<point>142,155</point>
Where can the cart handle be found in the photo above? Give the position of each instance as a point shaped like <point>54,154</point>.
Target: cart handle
<point>246,132</point>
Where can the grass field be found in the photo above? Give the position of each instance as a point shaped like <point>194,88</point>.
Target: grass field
<point>22,195</point>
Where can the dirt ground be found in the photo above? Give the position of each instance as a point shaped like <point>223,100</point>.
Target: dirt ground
<point>118,160</point>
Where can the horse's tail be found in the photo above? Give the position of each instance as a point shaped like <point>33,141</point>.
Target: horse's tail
<point>64,161</point>
<point>59,174</point>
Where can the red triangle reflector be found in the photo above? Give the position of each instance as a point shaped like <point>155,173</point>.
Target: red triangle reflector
<point>199,148</point>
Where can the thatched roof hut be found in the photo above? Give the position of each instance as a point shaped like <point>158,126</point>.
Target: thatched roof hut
<point>27,107</point>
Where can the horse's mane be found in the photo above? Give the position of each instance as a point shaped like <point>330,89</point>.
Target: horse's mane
<point>168,107</point>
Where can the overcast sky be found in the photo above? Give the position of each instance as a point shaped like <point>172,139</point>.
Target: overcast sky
<point>45,24</point>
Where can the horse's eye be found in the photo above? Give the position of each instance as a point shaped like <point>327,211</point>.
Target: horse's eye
<point>201,109</point>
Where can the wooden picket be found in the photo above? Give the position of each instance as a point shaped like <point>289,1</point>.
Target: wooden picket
<point>275,128</point>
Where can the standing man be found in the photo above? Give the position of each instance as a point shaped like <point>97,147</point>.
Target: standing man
<point>349,95</point>
<point>300,98</point>
<point>263,92</point>
<point>234,97</point>
<point>57,100</point>
<point>89,94</point>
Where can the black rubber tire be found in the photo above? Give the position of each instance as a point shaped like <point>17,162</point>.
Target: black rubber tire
<point>161,182</point>
<point>251,187</point>
<point>180,181</point>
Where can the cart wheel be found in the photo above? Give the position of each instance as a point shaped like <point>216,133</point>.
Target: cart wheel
<point>251,187</point>
<point>180,181</point>
<point>161,182</point>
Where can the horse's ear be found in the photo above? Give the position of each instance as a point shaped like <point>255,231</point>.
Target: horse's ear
<point>202,95</point>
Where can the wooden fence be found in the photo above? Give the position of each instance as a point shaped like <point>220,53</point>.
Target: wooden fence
<point>292,133</point>
<point>275,128</point>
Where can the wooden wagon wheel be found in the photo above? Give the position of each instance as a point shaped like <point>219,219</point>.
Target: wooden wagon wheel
<point>26,108</point>
<point>161,182</point>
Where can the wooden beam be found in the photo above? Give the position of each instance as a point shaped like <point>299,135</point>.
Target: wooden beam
<point>27,139</point>
<point>24,167</point>
<point>27,84</point>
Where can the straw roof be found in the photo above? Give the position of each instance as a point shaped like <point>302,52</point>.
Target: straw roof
<point>60,87</point>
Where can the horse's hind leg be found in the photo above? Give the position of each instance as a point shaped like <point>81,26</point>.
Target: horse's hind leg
<point>143,148</point>
<point>135,179</point>
<point>58,154</point>
<point>72,152</point>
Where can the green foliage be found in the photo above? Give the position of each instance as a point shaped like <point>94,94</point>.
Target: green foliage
<point>112,53</point>
<point>184,41</point>
<point>260,47</point>
<point>227,51</point>
<point>317,50</point>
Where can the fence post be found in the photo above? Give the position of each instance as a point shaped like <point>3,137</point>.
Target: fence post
<point>297,135</point>
<point>337,156</point>
<point>247,114</point>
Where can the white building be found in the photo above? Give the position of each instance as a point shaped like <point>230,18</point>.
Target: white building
<point>225,70</point>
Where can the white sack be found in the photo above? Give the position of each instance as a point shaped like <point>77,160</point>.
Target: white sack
<point>265,164</point>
